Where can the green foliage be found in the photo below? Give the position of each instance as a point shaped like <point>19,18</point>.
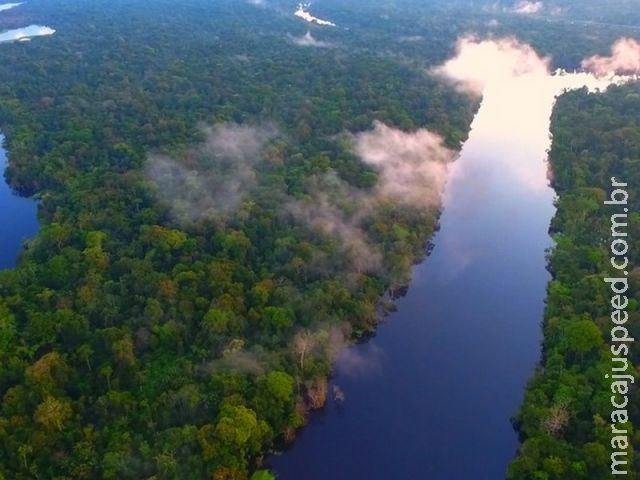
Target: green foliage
<point>595,137</point>
<point>262,475</point>
<point>135,342</point>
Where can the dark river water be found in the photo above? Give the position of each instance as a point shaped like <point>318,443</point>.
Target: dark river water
<point>431,395</point>
<point>17,217</point>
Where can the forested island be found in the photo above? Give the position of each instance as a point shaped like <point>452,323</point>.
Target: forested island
<point>213,235</point>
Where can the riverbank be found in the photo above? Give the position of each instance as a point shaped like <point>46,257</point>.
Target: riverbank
<point>564,420</point>
<point>18,216</point>
<point>412,392</point>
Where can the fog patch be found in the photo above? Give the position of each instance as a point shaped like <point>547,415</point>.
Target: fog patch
<point>353,362</point>
<point>518,93</point>
<point>333,344</point>
<point>307,40</point>
<point>337,210</point>
<point>213,178</point>
<point>528,8</point>
<point>411,170</point>
<point>412,166</point>
<point>479,62</point>
<point>242,361</point>
<point>303,13</point>
<point>624,59</point>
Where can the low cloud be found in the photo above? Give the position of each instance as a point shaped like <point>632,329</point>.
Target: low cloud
<point>411,165</point>
<point>303,13</point>
<point>242,361</point>
<point>528,8</point>
<point>478,63</point>
<point>354,362</point>
<point>257,3</point>
<point>624,59</point>
<point>411,169</point>
<point>213,178</point>
<point>307,40</point>
<point>333,344</point>
<point>236,360</point>
<point>337,210</point>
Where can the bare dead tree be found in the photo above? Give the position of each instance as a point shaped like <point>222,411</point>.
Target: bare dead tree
<point>303,343</point>
<point>317,393</point>
<point>557,420</point>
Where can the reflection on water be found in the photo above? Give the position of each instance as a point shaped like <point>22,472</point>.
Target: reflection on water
<point>17,217</point>
<point>8,6</point>
<point>448,369</point>
<point>26,33</point>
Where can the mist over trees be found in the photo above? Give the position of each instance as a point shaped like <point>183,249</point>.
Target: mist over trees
<point>219,219</point>
<point>566,415</point>
<point>211,236</point>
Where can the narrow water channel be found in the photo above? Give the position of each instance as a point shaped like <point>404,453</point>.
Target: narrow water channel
<point>17,218</point>
<point>431,396</point>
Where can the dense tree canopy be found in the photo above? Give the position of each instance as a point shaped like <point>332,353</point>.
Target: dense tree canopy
<point>566,415</point>
<point>141,339</point>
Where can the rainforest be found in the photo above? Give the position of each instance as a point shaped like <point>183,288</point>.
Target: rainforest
<point>345,239</point>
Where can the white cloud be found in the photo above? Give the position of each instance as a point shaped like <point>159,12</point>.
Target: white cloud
<point>307,40</point>
<point>518,93</point>
<point>411,165</point>
<point>359,361</point>
<point>480,62</point>
<point>212,179</point>
<point>624,59</point>
<point>411,170</point>
<point>336,209</point>
<point>528,8</point>
<point>303,13</point>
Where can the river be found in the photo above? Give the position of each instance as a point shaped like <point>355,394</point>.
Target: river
<point>435,389</point>
<point>17,217</point>
<point>25,33</point>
